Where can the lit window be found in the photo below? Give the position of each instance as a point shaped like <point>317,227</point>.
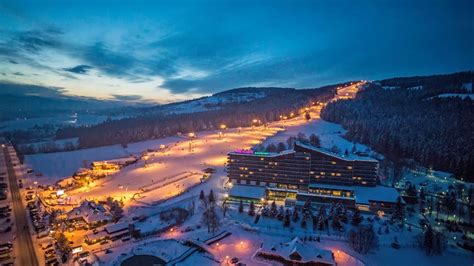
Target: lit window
<point>322,173</point>
<point>349,167</point>
<point>336,193</point>
<point>333,162</point>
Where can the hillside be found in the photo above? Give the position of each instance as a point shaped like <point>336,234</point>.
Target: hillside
<point>234,108</point>
<point>404,119</point>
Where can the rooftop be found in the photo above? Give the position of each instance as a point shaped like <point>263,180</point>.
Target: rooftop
<point>349,157</point>
<point>261,153</point>
<point>297,250</point>
<point>379,193</point>
<point>252,192</point>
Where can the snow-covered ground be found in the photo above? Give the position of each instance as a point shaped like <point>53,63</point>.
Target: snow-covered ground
<point>213,102</point>
<point>460,95</point>
<point>55,166</point>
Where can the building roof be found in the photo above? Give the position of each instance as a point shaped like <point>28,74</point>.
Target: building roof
<point>93,237</point>
<point>296,247</point>
<point>260,154</point>
<point>251,192</point>
<point>379,193</point>
<point>90,212</point>
<point>349,157</point>
<point>113,228</point>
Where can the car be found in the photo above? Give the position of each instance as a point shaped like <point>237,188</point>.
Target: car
<point>49,256</point>
<point>234,260</point>
<point>84,254</point>
<point>45,246</point>
<point>52,262</point>
<point>8,244</point>
<point>50,251</point>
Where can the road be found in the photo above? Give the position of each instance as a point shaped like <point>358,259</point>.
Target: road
<point>27,255</point>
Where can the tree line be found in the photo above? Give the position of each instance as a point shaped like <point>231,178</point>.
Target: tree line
<point>407,123</point>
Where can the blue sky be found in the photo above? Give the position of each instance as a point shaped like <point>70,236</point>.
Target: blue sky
<point>152,50</point>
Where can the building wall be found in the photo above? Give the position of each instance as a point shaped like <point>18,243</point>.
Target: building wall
<point>285,171</point>
<point>327,169</point>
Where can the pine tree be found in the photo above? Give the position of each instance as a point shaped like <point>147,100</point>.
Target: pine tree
<point>295,215</point>
<point>336,224</point>
<point>201,195</point>
<point>281,213</point>
<point>286,220</point>
<point>251,209</point>
<point>398,214</point>
<point>303,223</point>
<point>273,210</point>
<point>241,206</point>
<point>211,196</point>
<point>356,218</point>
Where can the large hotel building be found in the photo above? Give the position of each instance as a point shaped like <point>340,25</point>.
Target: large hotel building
<point>308,173</point>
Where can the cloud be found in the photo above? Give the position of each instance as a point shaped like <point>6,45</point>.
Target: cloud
<point>80,69</point>
<point>127,98</point>
<point>27,89</point>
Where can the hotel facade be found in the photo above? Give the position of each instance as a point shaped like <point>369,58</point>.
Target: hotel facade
<point>308,173</point>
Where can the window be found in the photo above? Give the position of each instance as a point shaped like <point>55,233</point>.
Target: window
<point>349,167</point>
<point>247,182</point>
<point>333,162</point>
<point>336,193</point>
<point>322,173</point>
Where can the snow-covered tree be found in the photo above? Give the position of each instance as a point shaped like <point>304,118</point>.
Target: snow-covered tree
<point>251,211</point>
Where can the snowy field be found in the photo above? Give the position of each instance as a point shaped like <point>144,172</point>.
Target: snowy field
<point>55,166</point>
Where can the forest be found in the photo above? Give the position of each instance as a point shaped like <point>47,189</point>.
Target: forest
<point>404,119</point>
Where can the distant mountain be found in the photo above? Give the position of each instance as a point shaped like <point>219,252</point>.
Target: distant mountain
<point>216,101</point>
<point>30,101</point>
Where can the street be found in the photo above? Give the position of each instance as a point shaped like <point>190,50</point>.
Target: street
<point>27,255</point>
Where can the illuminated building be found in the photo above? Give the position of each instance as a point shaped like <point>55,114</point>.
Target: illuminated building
<point>307,173</point>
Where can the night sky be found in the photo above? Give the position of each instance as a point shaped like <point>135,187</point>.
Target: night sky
<point>168,52</point>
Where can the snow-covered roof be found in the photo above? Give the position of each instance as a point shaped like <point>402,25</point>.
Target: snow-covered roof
<point>117,161</point>
<point>251,192</point>
<point>296,248</point>
<point>116,227</point>
<point>379,193</point>
<point>261,154</point>
<point>89,212</point>
<point>349,157</point>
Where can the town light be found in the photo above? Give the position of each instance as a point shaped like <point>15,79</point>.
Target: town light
<point>223,126</point>
<point>192,135</point>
